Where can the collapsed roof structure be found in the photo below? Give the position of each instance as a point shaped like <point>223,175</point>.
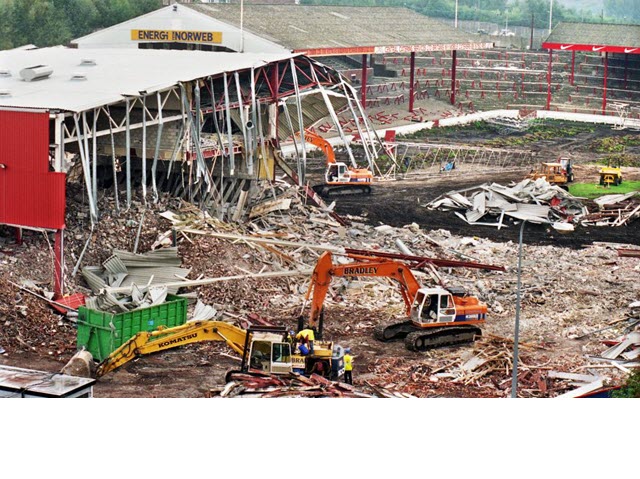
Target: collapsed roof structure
<point>200,125</point>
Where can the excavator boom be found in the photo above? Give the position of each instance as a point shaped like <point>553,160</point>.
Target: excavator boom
<point>147,342</point>
<point>363,266</point>
<point>436,316</point>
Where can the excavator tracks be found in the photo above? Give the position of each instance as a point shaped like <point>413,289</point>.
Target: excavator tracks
<point>423,339</point>
<point>328,191</point>
<point>438,337</point>
<point>390,332</point>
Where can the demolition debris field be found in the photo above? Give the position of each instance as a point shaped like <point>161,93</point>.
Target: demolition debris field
<point>574,287</point>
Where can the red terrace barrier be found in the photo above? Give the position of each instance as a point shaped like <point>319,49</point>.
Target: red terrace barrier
<point>433,62</point>
<point>437,93</point>
<point>404,72</point>
<point>369,90</point>
<point>406,60</point>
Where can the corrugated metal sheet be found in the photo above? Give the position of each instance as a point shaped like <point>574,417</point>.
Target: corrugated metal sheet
<point>30,195</point>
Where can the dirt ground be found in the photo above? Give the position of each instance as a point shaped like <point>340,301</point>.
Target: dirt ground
<point>403,202</point>
<point>39,339</point>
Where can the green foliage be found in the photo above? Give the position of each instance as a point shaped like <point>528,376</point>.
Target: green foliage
<point>594,190</point>
<point>626,9</point>
<point>614,144</point>
<point>631,389</point>
<point>54,22</point>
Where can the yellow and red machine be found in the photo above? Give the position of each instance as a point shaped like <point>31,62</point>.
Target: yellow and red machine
<point>436,316</point>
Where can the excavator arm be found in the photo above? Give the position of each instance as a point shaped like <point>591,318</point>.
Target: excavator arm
<point>324,145</point>
<point>363,266</point>
<point>148,342</point>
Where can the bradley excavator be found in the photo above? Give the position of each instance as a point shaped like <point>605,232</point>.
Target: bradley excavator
<point>264,349</point>
<point>339,179</point>
<point>436,316</point>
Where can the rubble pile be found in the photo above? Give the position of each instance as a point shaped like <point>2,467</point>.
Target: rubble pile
<point>293,386</point>
<point>568,295</point>
<point>614,210</point>
<point>535,201</point>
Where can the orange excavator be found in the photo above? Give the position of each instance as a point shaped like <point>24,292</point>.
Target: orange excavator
<point>436,316</point>
<point>339,178</point>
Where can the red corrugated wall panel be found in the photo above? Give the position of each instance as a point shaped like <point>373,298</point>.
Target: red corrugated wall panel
<point>30,195</point>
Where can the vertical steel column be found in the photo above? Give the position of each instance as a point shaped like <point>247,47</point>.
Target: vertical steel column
<point>412,80</point>
<point>573,68</point>
<point>626,69</point>
<point>549,80</point>
<point>363,82</point>
<point>454,55</point>
<point>275,80</point>
<point>94,170</point>
<point>128,147</point>
<point>604,83</point>
<point>58,275</point>
<point>144,148</point>
<point>18,235</point>
<point>156,153</point>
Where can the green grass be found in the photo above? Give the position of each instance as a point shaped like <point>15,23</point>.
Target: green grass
<point>594,190</point>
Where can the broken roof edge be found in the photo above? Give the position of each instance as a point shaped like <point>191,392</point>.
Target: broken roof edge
<point>100,96</point>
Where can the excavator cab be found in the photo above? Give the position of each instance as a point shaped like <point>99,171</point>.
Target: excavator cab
<point>433,305</point>
<point>269,353</point>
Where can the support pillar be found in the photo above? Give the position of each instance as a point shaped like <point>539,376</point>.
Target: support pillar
<point>549,80</point>
<point>626,69</point>
<point>454,54</point>
<point>58,274</point>
<point>573,68</point>
<point>604,83</point>
<point>412,80</point>
<point>275,82</point>
<point>18,236</point>
<point>363,82</point>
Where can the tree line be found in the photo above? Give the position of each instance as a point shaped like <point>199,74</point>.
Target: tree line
<point>56,22</point>
<point>518,12</point>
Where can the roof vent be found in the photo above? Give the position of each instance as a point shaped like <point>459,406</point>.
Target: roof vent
<point>38,72</point>
<point>78,76</point>
<point>5,93</point>
<point>88,62</point>
<point>4,73</point>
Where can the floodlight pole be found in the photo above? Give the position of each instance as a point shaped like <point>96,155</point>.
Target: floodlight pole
<point>550,15</point>
<point>241,26</point>
<point>514,380</point>
<point>456,20</point>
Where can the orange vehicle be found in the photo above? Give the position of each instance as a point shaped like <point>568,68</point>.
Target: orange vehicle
<point>436,316</point>
<point>339,178</point>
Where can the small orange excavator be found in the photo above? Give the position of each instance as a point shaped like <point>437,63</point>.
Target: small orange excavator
<point>339,178</point>
<point>436,316</point>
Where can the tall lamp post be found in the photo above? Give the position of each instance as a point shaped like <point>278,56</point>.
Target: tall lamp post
<point>550,15</point>
<point>514,379</point>
<point>456,20</point>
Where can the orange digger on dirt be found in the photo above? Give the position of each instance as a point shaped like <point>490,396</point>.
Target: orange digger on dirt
<point>340,179</point>
<point>436,316</point>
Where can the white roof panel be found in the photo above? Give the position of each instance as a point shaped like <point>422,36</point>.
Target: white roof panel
<point>116,74</point>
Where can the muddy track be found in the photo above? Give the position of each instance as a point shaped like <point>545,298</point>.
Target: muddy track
<point>402,202</point>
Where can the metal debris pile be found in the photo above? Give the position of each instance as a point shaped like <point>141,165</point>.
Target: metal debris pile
<point>292,385</point>
<point>534,201</point>
<point>614,210</point>
<point>136,274</point>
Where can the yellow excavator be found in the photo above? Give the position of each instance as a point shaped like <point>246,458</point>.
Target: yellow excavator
<point>264,349</point>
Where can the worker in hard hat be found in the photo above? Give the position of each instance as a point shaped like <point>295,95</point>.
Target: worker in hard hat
<point>348,366</point>
<point>306,337</point>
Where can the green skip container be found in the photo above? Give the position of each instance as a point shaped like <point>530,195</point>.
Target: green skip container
<point>102,333</point>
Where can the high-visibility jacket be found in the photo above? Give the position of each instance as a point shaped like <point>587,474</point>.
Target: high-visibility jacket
<point>306,333</point>
<point>348,362</point>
